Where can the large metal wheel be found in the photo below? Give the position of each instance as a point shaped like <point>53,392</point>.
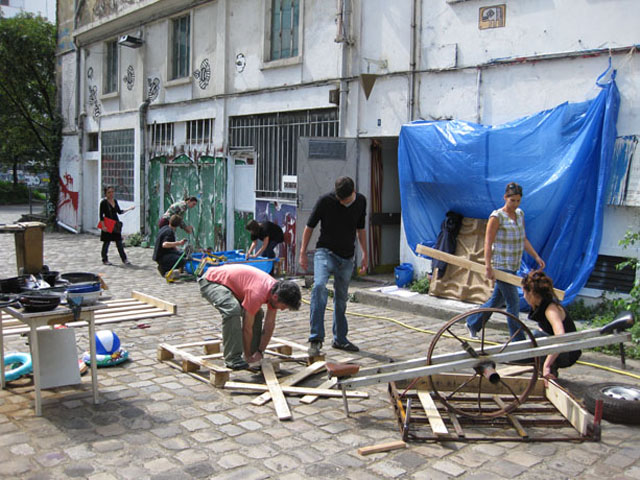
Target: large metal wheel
<point>481,393</point>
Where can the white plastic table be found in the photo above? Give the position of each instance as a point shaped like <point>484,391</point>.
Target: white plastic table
<point>39,320</point>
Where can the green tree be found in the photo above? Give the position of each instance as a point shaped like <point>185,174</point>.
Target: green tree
<point>29,119</point>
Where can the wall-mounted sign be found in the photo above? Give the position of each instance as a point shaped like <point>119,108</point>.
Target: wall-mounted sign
<point>290,183</point>
<point>492,17</point>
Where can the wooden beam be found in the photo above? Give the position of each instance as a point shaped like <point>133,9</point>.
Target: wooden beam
<point>475,266</point>
<point>158,302</point>
<point>512,418</point>
<point>435,420</point>
<point>448,382</point>
<point>383,447</point>
<point>569,407</point>
<point>293,390</point>
<point>308,399</point>
<point>279,402</point>
<point>291,380</point>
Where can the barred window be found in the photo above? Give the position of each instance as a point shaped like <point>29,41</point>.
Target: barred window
<point>161,135</point>
<point>285,16</point>
<point>274,137</point>
<point>180,47</point>
<point>200,131</point>
<point>118,161</point>
<point>111,67</point>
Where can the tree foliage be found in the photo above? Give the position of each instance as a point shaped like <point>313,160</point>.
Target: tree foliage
<point>29,120</point>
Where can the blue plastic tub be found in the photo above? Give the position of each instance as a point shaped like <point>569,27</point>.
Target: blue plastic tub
<point>404,274</point>
<point>228,257</point>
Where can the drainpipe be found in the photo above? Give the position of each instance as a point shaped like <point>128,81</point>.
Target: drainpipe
<point>80,113</point>
<point>344,20</point>
<point>142,114</point>
<point>415,11</point>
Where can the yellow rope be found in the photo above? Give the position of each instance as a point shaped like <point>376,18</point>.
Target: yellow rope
<point>421,330</point>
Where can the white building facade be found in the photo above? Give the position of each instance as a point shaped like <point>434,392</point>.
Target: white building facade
<point>167,97</point>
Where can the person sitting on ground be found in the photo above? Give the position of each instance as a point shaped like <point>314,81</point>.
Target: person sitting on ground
<point>180,209</point>
<point>552,318</point>
<point>269,233</point>
<point>238,292</point>
<point>166,252</point>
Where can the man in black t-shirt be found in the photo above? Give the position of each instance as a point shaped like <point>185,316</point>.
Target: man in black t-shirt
<point>165,251</point>
<point>341,215</point>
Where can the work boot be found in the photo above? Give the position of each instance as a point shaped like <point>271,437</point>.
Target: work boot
<point>314,348</point>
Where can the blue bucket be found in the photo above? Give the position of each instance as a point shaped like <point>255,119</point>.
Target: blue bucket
<point>404,274</point>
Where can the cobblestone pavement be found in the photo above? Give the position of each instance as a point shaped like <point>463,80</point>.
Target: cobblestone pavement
<point>155,422</point>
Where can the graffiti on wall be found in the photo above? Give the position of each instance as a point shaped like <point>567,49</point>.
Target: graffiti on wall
<point>68,201</point>
<point>153,88</point>
<point>130,78</point>
<point>284,216</point>
<point>203,74</point>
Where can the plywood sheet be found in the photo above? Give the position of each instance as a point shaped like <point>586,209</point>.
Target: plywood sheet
<point>460,283</point>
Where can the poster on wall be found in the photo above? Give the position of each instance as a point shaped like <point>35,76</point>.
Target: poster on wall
<point>284,216</point>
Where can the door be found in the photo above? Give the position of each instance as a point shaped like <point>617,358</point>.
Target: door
<point>321,161</point>
<point>244,197</point>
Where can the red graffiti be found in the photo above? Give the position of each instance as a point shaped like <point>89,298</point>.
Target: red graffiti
<point>66,195</point>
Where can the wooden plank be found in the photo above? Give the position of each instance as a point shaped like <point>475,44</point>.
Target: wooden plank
<point>289,343</point>
<point>158,302</point>
<point>131,313</point>
<point>308,399</point>
<point>569,407</point>
<point>291,380</point>
<point>514,370</point>
<point>475,266</point>
<point>383,447</point>
<point>293,390</point>
<point>448,382</point>
<point>279,402</point>
<point>435,420</point>
<point>512,418</point>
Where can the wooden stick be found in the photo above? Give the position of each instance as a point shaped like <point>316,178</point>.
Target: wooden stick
<point>292,390</point>
<point>383,447</point>
<point>475,267</point>
<point>291,380</point>
<point>279,402</point>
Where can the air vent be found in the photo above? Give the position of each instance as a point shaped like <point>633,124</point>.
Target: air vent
<point>327,149</point>
<point>605,276</point>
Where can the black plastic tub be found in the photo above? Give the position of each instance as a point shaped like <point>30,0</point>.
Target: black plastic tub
<point>80,277</point>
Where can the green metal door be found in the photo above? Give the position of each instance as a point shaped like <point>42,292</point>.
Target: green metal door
<point>205,179</point>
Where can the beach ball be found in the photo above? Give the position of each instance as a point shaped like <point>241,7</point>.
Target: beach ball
<point>107,342</point>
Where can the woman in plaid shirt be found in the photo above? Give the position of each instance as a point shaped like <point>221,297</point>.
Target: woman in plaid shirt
<point>504,242</point>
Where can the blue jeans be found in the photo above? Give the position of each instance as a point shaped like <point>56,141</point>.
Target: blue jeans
<point>502,293</point>
<point>325,263</point>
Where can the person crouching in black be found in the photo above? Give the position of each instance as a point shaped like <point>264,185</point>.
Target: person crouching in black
<point>166,252</point>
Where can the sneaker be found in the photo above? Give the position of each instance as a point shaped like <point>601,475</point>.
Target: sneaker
<point>127,262</point>
<point>314,348</point>
<point>241,365</point>
<point>347,346</point>
<point>106,262</point>
<point>472,333</point>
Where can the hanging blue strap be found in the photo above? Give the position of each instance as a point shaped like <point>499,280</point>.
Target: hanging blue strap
<point>613,76</point>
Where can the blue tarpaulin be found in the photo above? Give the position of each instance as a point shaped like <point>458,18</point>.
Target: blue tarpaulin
<point>561,157</point>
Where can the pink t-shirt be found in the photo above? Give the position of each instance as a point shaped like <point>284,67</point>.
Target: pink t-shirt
<point>250,285</point>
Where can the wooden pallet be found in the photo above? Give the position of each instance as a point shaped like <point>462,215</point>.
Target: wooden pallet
<point>139,307</point>
<point>549,414</point>
<point>209,360</point>
<point>206,355</point>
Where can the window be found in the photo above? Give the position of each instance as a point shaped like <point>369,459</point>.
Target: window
<point>92,142</point>
<point>285,16</point>
<point>161,135</point>
<point>111,67</point>
<point>180,47</point>
<point>605,275</point>
<point>274,137</point>
<point>200,131</point>
<point>118,161</point>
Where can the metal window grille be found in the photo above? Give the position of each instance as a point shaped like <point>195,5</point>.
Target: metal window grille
<point>111,67</point>
<point>160,135</point>
<point>200,132</point>
<point>274,137</point>
<point>180,47</point>
<point>284,28</point>
<point>117,162</point>
<point>606,276</point>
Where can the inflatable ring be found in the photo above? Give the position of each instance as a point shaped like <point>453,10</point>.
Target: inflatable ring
<point>20,364</point>
<point>107,360</point>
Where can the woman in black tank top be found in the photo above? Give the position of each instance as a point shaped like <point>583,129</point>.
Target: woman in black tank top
<point>551,317</point>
